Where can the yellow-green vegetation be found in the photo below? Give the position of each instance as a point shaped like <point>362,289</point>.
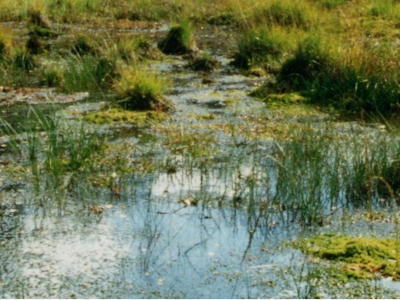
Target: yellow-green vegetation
<point>131,48</point>
<point>5,44</point>
<point>285,13</point>
<point>142,89</point>
<point>206,117</point>
<point>22,59</point>
<point>278,100</point>
<point>194,145</point>
<point>291,105</point>
<point>179,39</point>
<point>259,47</point>
<point>361,257</point>
<point>53,76</point>
<point>119,115</point>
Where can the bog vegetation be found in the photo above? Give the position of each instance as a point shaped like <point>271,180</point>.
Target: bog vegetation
<point>314,64</point>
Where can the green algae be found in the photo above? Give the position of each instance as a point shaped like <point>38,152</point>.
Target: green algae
<point>362,258</point>
<point>118,115</point>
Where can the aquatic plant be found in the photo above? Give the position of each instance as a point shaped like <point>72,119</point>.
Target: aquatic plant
<point>88,73</point>
<point>204,63</point>
<point>363,257</point>
<point>141,89</point>
<point>57,155</point>
<point>119,115</point>
<point>179,40</point>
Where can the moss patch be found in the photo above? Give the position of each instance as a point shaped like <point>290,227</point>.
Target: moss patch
<point>362,257</point>
<point>118,115</point>
<point>278,100</point>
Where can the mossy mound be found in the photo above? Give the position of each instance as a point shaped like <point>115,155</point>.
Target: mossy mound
<point>287,99</point>
<point>138,100</point>
<point>178,41</point>
<point>140,89</point>
<point>363,257</point>
<point>119,115</point>
<point>204,63</point>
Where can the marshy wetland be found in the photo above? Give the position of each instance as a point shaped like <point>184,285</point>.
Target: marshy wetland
<point>203,149</point>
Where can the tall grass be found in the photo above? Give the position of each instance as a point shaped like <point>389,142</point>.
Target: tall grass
<point>352,80</point>
<point>88,73</point>
<point>259,47</point>
<point>284,13</point>
<point>55,151</point>
<point>313,175</point>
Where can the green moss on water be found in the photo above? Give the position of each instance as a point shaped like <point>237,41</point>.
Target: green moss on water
<point>278,100</point>
<point>118,115</point>
<point>363,257</point>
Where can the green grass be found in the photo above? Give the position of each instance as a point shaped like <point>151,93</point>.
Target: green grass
<point>258,48</point>
<point>141,89</point>
<point>88,73</point>
<point>179,39</point>
<point>53,76</point>
<point>56,154</point>
<point>350,81</point>
<point>284,13</point>
<point>316,170</point>
<point>22,59</point>
<point>363,257</point>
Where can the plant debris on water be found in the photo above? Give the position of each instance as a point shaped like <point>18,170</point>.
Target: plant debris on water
<point>199,149</point>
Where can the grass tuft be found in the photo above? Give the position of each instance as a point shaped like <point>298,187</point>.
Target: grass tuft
<point>179,40</point>
<point>258,48</point>
<point>141,89</point>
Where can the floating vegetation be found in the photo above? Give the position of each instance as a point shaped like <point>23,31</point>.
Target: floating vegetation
<point>122,116</point>
<point>204,63</point>
<point>363,258</point>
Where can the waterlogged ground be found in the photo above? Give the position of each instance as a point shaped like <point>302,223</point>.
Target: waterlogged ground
<point>189,213</point>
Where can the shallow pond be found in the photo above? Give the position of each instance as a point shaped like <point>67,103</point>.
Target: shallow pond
<point>197,214</point>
